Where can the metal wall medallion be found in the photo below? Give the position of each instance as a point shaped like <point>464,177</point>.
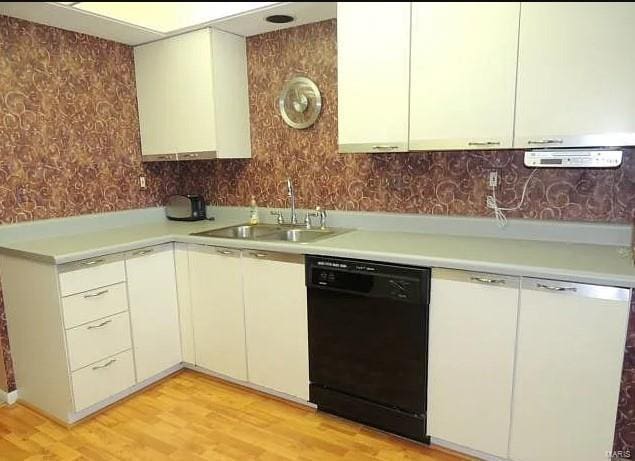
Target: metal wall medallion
<point>300,102</point>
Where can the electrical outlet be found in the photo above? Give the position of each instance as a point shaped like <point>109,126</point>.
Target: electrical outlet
<point>493,179</point>
<point>142,183</point>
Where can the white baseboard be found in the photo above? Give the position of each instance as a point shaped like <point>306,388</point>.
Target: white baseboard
<point>464,450</point>
<point>249,385</point>
<point>8,397</point>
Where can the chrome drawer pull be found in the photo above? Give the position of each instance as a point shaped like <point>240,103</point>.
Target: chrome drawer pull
<point>260,255</point>
<point>483,143</point>
<point>142,252</point>
<point>225,252</point>
<point>382,147</point>
<point>488,280</point>
<point>94,295</point>
<point>105,365</point>
<point>93,262</point>
<point>556,288</point>
<point>101,325</point>
<point>545,141</point>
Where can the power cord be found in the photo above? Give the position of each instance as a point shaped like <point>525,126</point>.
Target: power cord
<point>499,212</point>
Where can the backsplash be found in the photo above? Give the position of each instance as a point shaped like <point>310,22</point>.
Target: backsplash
<point>445,183</point>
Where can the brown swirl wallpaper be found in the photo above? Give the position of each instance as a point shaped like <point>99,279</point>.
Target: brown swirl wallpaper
<point>69,144</point>
<point>625,427</point>
<point>69,132</point>
<point>442,183</point>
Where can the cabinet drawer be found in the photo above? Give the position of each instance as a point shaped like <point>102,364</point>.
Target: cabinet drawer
<point>94,341</point>
<point>90,274</point>
<point>103,379</point>
<point>95,304</point>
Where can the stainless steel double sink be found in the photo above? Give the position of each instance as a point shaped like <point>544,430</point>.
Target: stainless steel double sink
<point>272,232</point>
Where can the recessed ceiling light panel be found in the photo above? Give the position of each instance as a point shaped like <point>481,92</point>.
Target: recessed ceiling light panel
<point>166,17</point>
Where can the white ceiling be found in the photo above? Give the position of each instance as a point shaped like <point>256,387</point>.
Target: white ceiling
<point>78,20</point>
<point>169,17</point>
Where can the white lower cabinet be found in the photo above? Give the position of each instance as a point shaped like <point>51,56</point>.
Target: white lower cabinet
<point>154,309</point>
<point>103,379</point>
<point>471,359</point>
<point>276,322</point>
<point>217,310</point>
<point>569,360</point>
<point>529,373</point>
<point>95,340</point>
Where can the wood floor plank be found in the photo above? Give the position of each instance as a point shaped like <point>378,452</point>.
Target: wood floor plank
<point>192,417</point>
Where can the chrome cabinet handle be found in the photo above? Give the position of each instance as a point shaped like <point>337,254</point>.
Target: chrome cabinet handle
<point>555,288</point>
<point>483,143</point>
<point>384,147</point>
<point>105,365</point>
<point>94,295</point>
<point>260,255</point>
<point>142,252</point>
<point>225,252</point>
<point>190,155</point>
<point>488,280</point>
<point>93,262</point>
<point>101,325</point>
<point>545,141</point>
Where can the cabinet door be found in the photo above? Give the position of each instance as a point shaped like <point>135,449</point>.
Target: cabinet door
<point>217,310</point>
<point>175,95</point>
<point>568,368</point>
<point>575,75</point>
<point>154,311</point>
<point>463,75</point>
<point>373,47</point>
<point>276,320</point>
<point>471,359</point>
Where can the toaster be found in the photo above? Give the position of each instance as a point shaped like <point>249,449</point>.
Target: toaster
<point>186,208</point>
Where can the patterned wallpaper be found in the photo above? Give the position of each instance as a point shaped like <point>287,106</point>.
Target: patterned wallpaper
<point>69,132</point>
<point>69,144</point>
<point>625,427</point>
<point>433,183</point>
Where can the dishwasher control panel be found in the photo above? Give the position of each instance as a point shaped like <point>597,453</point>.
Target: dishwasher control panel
<point>401,283</point>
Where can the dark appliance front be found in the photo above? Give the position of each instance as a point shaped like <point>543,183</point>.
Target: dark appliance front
<point>368,342</point>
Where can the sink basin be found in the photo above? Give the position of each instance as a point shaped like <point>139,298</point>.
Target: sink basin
<point>245,231</point>
<point>272,232</point>
<point>300,235</point>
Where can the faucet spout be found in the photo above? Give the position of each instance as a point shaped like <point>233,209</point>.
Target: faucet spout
<point>291,195</point>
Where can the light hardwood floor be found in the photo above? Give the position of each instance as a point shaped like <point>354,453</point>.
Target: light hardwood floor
<point>190,416</point>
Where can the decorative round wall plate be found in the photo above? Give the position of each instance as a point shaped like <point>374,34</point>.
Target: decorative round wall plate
<point>300,102</point>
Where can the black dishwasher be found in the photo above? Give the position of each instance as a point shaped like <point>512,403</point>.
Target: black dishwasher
<point>368,342</point>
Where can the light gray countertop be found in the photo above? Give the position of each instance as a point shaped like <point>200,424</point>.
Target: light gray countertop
<point>576,262</point>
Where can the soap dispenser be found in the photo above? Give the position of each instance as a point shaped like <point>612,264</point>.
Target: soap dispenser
<point>253,211</point>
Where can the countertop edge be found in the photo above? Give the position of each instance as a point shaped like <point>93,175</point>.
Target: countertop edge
<point>397,258</point>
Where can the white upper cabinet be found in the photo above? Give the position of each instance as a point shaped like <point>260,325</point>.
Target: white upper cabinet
<point>192,95</point>
<point>471,359</point>
<point>575,75</point>
<point>373,48</point>
<point>154,310</point>
<point>463,75</point>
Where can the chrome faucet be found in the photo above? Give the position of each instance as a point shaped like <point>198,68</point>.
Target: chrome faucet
<point>291,195</point>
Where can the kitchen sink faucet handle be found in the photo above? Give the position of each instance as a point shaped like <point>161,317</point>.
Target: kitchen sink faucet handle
<point>322,214</point>
<point>309,215</point>
<point>278,214</point>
